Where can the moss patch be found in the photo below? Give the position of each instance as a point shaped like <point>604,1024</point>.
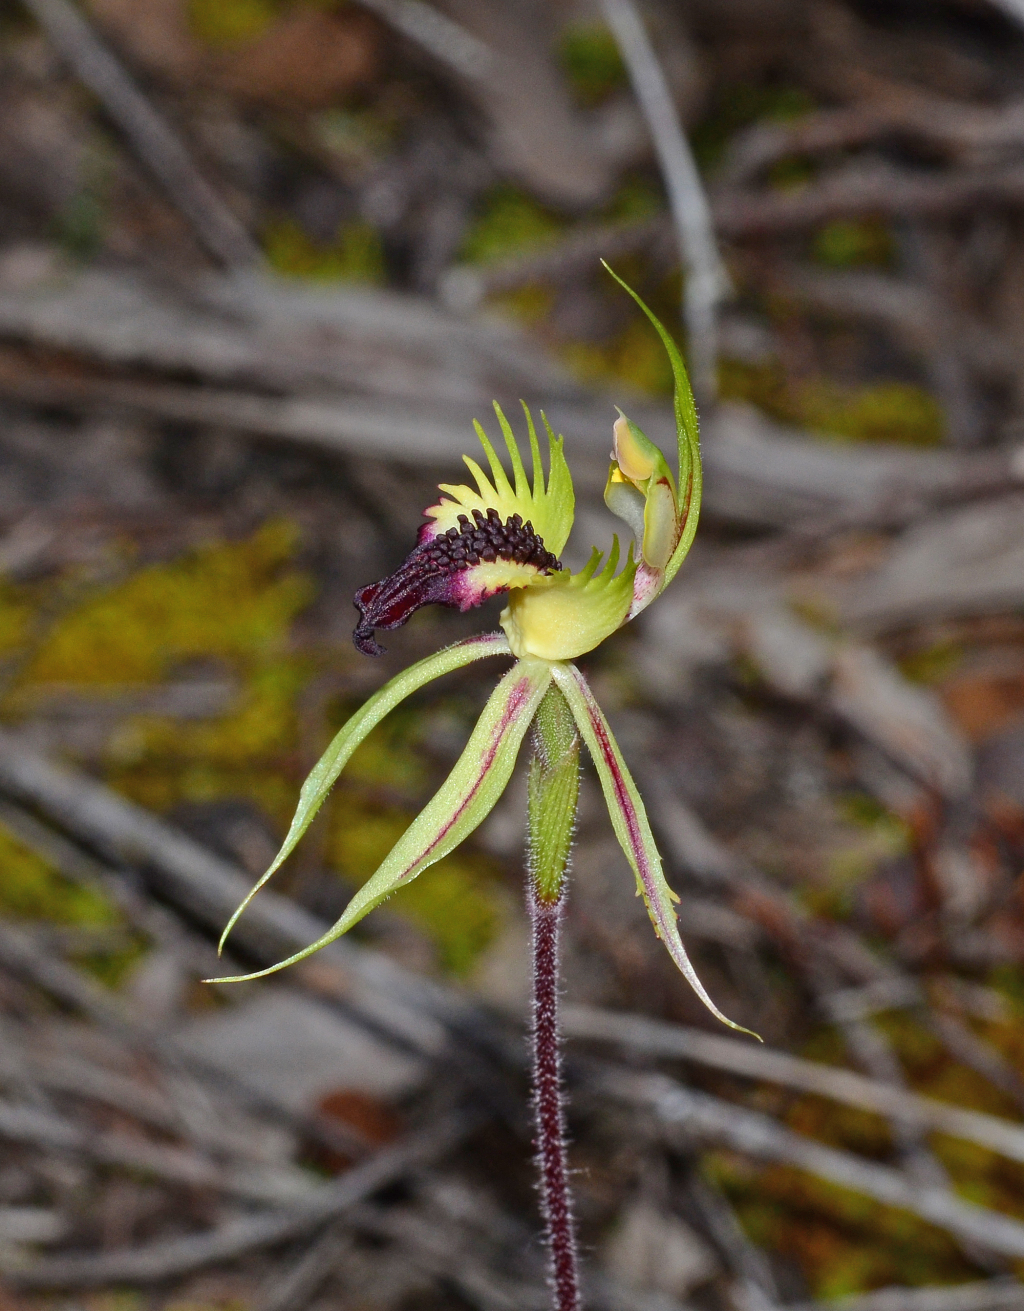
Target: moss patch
<point>852,243</point>
<point>355,255</point>
<point>881,412</point>
<point>226,23</point>
<point>591,61</point>
<point>508,223</point>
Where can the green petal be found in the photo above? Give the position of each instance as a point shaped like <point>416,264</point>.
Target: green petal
<point>629,820</point>
<point>687,438</point>
<point>464,800</point>
<point>325,772</point>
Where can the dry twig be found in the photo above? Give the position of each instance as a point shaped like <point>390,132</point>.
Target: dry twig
<point>706,283</point>
<point>153,141</point>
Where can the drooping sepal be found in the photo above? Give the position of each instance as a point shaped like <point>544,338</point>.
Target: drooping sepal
<point>463,801</point>
<point>632,828</point>
<point>325,772</point>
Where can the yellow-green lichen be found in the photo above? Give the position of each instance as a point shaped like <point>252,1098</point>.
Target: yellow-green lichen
<point>35,892</point>
<point>226,23</point>
<point>741,104</point>
<point>590,59</point>
<point>232,601</point>
<point>851,243</point>
<point>509,223</point>
<point>355,255</point>
<point>897,412</point>
<point>230,606</point>
<point>32,889</point>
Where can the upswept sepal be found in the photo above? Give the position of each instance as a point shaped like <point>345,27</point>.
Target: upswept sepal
<point>463,801</point>
<point>632,828</point>
<point>662,511</point>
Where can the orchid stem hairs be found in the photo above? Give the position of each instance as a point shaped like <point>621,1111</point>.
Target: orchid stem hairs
<point>553,793</point>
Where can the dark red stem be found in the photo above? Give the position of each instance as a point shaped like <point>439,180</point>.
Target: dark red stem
<point>548,1102</point>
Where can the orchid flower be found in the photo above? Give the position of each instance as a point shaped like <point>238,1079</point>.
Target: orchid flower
<point>505,534</point>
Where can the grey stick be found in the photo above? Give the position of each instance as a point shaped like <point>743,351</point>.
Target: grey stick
<point>150,136</point>
<point>707,282</point>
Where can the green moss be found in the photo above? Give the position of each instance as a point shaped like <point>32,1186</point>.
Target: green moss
<point>850,243</point>
<point>1009,980</point>
<point>80,225</point>
<point>509,223</point>
<point>355,255</point>
<point>359,136</point>
<point>738,106</point>
<point>636,198</point>
<point>388,759</point>
<point>249,752</point>
<point>32,889</point>
<point>843,1242</point>
<point>636,357</point>
<point>885,412</point>
<point>16,611</point>
<point>934,663</point>
<point>230,602</point>
<point>226,23</point>
<point>881,412</point>
<point>455,905</point>
<point>589,56</point>
<point>233,601</point>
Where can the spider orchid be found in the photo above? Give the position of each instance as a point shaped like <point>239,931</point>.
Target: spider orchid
<point>505,535</point>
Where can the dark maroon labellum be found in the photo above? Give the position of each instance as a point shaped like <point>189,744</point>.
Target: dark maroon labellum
<point>435,572</point>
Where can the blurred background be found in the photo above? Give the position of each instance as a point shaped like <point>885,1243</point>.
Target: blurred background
<point>261,264</point>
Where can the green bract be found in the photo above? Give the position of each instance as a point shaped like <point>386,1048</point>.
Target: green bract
<point>505,535</point>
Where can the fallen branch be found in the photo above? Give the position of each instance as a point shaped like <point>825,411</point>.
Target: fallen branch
<point>157,1261</point>
<point>412,1009</point>
<point>712,1120</point>
<point>576,255</point>
<point>449,42</point>
<point>172,1165</point>
<point>676,1042</point>
<point>862,191</point>
<point>983,1295</point>
<point>153,141</point>
<point>707,283</point>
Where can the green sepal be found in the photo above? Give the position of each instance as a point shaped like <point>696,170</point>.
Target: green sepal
<point>462,802</point>
<point>632,827</point>
<point>325,772</point>
<point>690,482</point>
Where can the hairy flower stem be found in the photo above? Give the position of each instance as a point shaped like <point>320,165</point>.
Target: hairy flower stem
<point>553,793</point>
